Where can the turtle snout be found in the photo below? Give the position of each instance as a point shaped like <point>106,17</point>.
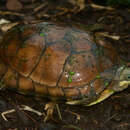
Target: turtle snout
<point>125,78</point>
<point>125,75</point>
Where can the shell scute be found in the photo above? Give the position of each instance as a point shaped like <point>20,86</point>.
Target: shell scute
<point>10,78</point>
<point>50,65</point>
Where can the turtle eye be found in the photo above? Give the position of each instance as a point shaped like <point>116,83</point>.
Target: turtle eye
<point>127,77</point>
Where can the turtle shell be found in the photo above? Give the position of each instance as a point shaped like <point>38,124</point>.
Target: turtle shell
<point>48,60</point>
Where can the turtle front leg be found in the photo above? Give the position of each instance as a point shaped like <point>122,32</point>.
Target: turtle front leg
<point>49,107</point>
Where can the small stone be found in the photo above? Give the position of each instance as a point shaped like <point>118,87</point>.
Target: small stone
<point>14,5</point>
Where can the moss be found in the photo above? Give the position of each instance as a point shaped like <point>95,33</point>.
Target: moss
<point>42,34</point>
<point>106,83</point>
<point>69,80</point>
<point>71,73</point>
<point>98,76</point>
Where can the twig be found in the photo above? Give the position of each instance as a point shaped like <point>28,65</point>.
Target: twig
<point>110,118</point>
<point>22,107</point>
<point>10,13</point>
<point>27,108</point>
<point>7,112</point>
<point>58,110</point>
<point>39,7</point>
<point>101,7</point>
<point>6,27</point>
<point>105,34</point>
<point>74,113</point>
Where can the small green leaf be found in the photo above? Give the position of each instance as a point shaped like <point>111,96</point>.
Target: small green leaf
<point>106,83</point>
<point>69,80</point>
<point>71,73</point>
<point>98,76</point>
<point>42,34</point>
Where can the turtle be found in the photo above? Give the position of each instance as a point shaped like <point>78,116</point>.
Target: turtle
<point>60,63</point>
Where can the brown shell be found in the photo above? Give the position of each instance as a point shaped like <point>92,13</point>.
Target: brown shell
<point>60,62</point>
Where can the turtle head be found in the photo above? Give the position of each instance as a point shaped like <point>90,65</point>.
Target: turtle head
<point>123,78</point>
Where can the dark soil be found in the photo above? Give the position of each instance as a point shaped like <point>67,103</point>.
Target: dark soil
<point>111,114</point>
